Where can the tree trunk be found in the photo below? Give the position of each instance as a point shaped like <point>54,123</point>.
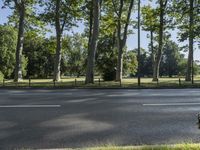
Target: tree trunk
<point>20,42</point>
<point>58,58</point>
<point>93,43</point>
<point>119,71</point>
<point>153,55</point>
<point>119,45</point>
<point>58,43</point>
<point>122,42</point>
<point>90,26</point>
<point>160,46</point>
<point>190,54</point>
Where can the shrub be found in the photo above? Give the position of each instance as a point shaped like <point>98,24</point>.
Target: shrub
<point>109,75</point>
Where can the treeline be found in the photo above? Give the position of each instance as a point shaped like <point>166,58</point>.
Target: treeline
<point>28,51</point>
<point>39,54</point>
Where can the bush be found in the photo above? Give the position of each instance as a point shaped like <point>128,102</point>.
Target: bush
<point>109,75</point>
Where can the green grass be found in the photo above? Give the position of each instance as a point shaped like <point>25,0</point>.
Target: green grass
<point>155,147</point>
<point>126,83</point>
<point>144,147</point>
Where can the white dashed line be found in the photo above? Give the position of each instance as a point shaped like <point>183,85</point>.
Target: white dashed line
<point>29,106</point>
<point>171,104</point>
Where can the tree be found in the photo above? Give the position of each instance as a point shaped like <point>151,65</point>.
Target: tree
<point>121,9</point>
<point>63,16</point>
<point>150,23</point>
<point>186,13</point>
<point>40,54</point>
<point>20,8</point>
<point>171,59</point>
<point>162,11</point>
<point>23,10</point>
<point>93,42</point>
<point>146,63</point>
<point>191,42</point>
<point>106,48</point>
<point>130,63</point>
<point>74,54</point>
<point>106,58</point>
<point>8,41</point>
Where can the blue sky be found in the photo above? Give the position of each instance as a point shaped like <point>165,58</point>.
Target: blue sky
<point>131,41</point>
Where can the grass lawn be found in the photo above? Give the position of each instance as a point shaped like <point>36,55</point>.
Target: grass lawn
<point>147,147</point>
<point>125,83</point>
<point>156,147</point>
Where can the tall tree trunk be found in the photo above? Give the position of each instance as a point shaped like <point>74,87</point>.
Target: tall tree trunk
<point>90,26</point>
<point>122,42</point>
<point>190,54</point>
<point>58,58</point>
<point>153,54</point>
<point>58,43</point>
<point>119,45</point>
<point>20,42</point>
<point>160,44</point>
<point>120,51</point>
<point>93,43</point>
<point>119,72</point>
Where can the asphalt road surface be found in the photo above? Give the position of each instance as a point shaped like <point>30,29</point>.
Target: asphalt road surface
<point>86,117</point>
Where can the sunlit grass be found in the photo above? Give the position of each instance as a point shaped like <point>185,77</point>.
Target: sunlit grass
<point>147,147</point>
<point>143,147</point>
<point>99,83</point>
<point>155,147</point>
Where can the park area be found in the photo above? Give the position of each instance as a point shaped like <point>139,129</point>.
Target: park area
<point>71,82</point>
<point>99,74</point>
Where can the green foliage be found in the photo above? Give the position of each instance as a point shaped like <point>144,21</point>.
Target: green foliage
<point>130,63</point>
<point>173,62</point>
<point>106,58</point>
<point>109,75</point>
<point>74,55</point>
<point>69,10</point>
<point>39,54</point>
<point>171,59</point>
<point>145,62</point>
<point>32,19</point>
<point>150,20</point>
<point>8,41</point>
<point>181,13</point>
<point>182,65</point>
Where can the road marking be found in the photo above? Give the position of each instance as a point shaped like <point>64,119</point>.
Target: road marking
<point>171,104</point>
<point>29,106</point>
<point>37,94</point>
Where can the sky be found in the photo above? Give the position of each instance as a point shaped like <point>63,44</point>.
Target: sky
<point>131,40</point>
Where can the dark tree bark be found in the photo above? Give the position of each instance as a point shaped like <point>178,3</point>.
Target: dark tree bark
<point>153,54</point>
<point>20,41</point>
<point>90,25</point>
<point>191,36</point>
<point>58,43</point>
<point>93,43</point>
<point>122,42</point>
<point>58,57</point>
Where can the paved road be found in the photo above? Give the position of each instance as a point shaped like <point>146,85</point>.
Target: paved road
<point>84,117</point>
